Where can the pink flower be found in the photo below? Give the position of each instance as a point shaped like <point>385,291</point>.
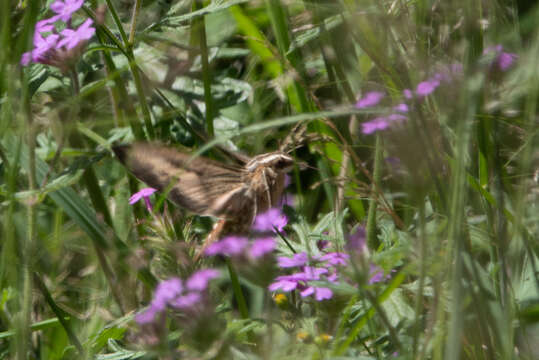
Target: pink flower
<point>356,241</point>
<point>320,293</point>
<point>336,258</point>
<point>261,247</point>
<point>301,280</point>
<point>402,107</point>
<point>73,37</point>
<point>64,9</point>
<point>143,194</point>
<point>186,301</point>
<point>502,60</point>
<point>200,279</point>
<point>407,93</point>
<point>427,87</point>
<point>172,293</point>
<point>376,274</point>
<point>270,220</point>
<point>296,260</point>
<point>381,123</point>
<point>229,246</point>
<point>370,99</point>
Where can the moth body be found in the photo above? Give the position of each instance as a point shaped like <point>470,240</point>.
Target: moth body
<point>234,194</point>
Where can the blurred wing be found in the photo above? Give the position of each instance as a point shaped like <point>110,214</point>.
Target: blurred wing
<point>200,185</point>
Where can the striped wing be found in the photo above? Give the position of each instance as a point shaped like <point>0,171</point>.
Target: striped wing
<point>200,185</point>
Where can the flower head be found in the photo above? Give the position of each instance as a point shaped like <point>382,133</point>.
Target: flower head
<point>370,99</point>
<point>261,247</point>
<point>229,246</point>
<point>381,123</point>
<point>199,280</point>
<point>271,220</point>
<point>173,293</point>
<point>356,241</point>
<point>143,194</point>
<point>502,60</point>
<point>64,9</point>
<point>427,87</point>
<point>299,259</point>
<point>72,38</point>
<point>336,258</point>
<point>402,107</point>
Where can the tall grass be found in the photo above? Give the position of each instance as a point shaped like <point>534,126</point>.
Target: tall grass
<point>444,195</point>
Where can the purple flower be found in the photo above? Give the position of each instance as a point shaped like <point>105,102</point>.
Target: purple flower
<point>407,93</point>
<point>322,244</point>
<point>73,37</point>
<point>336,258</point>
<point>186,301</point>
<point>143,194</point>
<point>147,316</point>
<point>200,279</point>
<point>356,241</point>
<point>270,220</point>
<point>172,293</point>
<point>65,8</point>
<point>229,246</point>
<point>313,273</point>
<point>320,293</point>
<point>502,60</point>
<point>45,25</point>
<point>300,281</point>
<point>381,123</point>
<point>284,284</point>
<point>425,88</point>
<point>376,274</point>
<point>165,292</point>
<point>299,259</point>
<point>261,247</point>
<point>43,47</point>
<point>505,60</point>
<point>370,99</point>
<point>402,107</point>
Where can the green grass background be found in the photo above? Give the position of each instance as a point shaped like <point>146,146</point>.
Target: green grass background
<point>457,219</point>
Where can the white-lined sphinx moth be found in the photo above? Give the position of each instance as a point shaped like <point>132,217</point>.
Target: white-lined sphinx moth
<point>234,194</point>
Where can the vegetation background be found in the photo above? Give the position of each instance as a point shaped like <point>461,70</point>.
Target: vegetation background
<point>448,197</point>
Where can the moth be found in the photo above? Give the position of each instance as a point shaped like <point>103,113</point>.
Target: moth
<point>234,194</point>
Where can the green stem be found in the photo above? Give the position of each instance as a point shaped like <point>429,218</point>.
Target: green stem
<point>134,71</point>
<point>28,243</point>
<point>372,240</point>
<point>134,17</point>
<point>200,29</point>
<point>238,294</point>
<point>60,314</point>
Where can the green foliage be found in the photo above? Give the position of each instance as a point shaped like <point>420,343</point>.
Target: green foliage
<point>447,198</point>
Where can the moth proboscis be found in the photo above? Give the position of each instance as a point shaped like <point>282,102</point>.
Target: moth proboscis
<point>234,194</point>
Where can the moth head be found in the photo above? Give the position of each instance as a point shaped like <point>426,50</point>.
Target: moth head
<point>277,161</point>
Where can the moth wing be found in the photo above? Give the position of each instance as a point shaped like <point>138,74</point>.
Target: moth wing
<point>200,185</point>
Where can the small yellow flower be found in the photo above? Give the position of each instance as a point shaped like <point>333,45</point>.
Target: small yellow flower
<point>304,337</point>
<point>323,339</point>
<point>281,301</point>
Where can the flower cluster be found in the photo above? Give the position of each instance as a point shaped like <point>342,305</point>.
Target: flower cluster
<point>319,268</point>
<point>179,295</point>
<point>53,48</point>
<point>266,223</point>
<point>322,267</point>
<point>422,89</point>
<point>502,60</point>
